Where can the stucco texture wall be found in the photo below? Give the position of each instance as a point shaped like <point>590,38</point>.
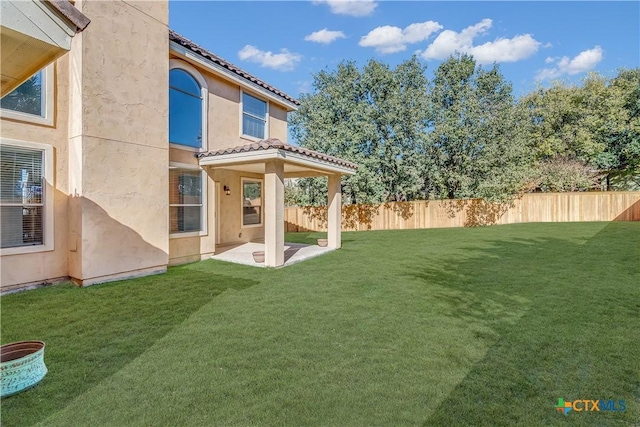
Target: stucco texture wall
<point>230,208</point>
<point>119,142</point>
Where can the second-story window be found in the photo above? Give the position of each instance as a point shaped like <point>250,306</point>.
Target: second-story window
<point>185,109</point>
<point>254,116</point>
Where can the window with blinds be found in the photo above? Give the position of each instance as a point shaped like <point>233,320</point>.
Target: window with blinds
<point>21,196</point>
<point>185,200</point>
<point>254,116</point>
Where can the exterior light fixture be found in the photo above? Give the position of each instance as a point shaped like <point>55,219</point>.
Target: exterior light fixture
<point>227,190</point>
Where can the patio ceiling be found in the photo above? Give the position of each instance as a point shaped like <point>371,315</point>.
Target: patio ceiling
<point>298,161</point>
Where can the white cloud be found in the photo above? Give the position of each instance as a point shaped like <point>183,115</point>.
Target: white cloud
<point>500,50</point>
<point>506,50</point>
<point>325,36</point>
<point>450,41</point>
<point>584,61</point>
<point>388,39</point>
<point>421,31</point>
<point>350,7</point>
<point>283,61</point>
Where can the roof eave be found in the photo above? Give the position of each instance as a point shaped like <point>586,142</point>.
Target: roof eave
<point>69,13</point>
<point>260,156</point>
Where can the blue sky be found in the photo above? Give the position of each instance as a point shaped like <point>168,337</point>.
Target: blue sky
<point>284,43</point>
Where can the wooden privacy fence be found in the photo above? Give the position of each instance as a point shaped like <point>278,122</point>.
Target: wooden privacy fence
<point>533,207</point>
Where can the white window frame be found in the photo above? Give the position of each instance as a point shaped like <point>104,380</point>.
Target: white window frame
<point>266,119</point>
<point>242,181</point>
<point>204,92</point>
<point>48,82</point>
<point>48,195</point>
<point>203,212</point>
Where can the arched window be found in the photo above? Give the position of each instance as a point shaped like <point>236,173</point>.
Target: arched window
<point>187,106</point>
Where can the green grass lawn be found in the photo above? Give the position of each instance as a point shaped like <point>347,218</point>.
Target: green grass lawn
<point>445,327</point>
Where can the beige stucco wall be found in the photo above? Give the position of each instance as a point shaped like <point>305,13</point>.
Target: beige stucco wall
<point>230,209</point>
<point>44,266</point>
<point>118,142</point>
<point>278,122</point>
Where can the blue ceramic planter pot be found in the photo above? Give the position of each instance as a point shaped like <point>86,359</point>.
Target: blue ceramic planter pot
<point>21,366</point>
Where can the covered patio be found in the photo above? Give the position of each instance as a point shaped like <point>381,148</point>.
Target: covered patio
<point>273,161</point>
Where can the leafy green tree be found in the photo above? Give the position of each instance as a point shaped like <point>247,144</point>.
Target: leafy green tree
<point>375,117</point>
<point>595,123</point>
<point>306,192</point>
<point>557,125</point>
<point>475,146</point>
<point>620,133</point>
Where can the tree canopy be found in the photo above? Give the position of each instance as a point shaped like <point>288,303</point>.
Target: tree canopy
<point>463,134</point>
<point>374,117</point>
<point>474,148</point>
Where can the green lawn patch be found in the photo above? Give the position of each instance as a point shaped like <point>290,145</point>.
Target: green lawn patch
<point>484,326</point>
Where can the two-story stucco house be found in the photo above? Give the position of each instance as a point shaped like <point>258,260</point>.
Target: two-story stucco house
<point>139,149</point>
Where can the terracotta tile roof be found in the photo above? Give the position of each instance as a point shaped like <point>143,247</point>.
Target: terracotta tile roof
<point>66,9</point>
<point>183,41</point>
<point>276,144</point>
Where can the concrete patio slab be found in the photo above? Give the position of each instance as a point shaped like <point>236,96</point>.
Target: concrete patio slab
<point>242,253</point>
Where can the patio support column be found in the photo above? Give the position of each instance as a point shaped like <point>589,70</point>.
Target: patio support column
<point>334,213</point>
<point>274,214</point>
